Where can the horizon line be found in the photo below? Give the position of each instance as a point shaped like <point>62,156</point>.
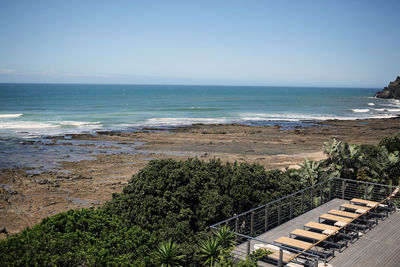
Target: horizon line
<point>177,84</point>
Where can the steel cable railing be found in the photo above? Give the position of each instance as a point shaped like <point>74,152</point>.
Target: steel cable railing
<point>250,224</point>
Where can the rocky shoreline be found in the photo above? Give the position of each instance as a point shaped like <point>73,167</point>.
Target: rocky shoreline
<point>107,160</point>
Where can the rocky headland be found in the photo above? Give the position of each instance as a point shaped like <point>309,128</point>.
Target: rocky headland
<point>390,91</point>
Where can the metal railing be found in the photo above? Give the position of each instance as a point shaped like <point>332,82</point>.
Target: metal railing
<point>250,224</point>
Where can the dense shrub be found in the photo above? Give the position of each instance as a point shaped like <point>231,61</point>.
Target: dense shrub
<point>84,237</point>
<point>179,200</point>
<point>391,142</point>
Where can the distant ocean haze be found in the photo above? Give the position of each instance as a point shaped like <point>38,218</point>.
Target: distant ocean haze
<point>51,109</point>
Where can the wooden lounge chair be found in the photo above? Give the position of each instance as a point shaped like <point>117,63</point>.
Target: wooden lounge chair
<point>308,234</point>
<point>368,203</point>
<point>315,237</point>
<point>357,218</point>
<point>356,208</point>
<point>332,233</point>
<point>344,214</point>
<point>290,242</point>
<point>339,221</point>
<point>304,246</point>
<point>373,205</point>
<point>325,228</point>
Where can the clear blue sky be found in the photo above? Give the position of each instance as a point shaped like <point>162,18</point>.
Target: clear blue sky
<point>306,43</point>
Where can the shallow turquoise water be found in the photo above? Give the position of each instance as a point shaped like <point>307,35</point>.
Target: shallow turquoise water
<point>47,109</point>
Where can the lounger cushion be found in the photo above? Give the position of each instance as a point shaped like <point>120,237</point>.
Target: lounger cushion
<point>328,232</point>
<point>340,224</point>
<point>360,211</point>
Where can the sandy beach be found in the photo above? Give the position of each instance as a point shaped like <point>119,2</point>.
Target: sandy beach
<point>27,196</point>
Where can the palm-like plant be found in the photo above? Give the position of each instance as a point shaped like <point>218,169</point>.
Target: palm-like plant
<point>168,254</point>
<point>225,237</point>
<point>331,150</point>
<point>343,158</point>
<point>310,171</point>
<point>210,250</point>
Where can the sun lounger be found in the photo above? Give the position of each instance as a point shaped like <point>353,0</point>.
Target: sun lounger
<point>290,242</point>
<point>308,234</point>
<point>315,237</point>
<point>302,245</point>
<point>357,217</point>
<point>325,228</point>
<point>339,221</point>
<point>376,206</point>
<point>332,232</point>
<point>356,208</point>
<point>368,203</point>
<point>344,214</point>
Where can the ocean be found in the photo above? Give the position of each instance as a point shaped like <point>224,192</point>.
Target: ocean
<point>32,110</point>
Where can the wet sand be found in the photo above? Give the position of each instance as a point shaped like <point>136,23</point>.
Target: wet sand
<point>27,195</point>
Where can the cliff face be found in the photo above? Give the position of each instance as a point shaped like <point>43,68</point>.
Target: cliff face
<point>391,91</point>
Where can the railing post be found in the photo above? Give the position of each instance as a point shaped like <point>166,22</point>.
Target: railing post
<point>280,257</point>
<point>366,191</point>
<point>248,247</point>
<point>279,212</point>
<point>391,189</point>
<point>302,202</point>
<point>291,207</point>
<point>343,184</point>
<point>321,194</point>
<point>237,227</point>
<point>252,224</point>
<point>312,197</point>
<point>266,219</point>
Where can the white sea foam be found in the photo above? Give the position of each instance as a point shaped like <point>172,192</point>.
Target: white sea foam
<point>302,117</point>
<point>371,104</point>
<point>7,116</point>
<point>26,125</point>
<point>286,117</point>
<point>360,110</point>
<point>183,121</point>
<point>81,123</point>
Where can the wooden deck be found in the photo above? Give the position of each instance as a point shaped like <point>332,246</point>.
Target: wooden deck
<point>378,247</point>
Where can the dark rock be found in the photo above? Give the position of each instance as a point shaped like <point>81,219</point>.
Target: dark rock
<point>80,177</point>
<point>62,176</point>
<point>391,91</point>
<point>43,181</point>
<point>76,177</point>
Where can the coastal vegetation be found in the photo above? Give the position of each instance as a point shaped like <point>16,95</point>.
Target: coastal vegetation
<point>162,215</point>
